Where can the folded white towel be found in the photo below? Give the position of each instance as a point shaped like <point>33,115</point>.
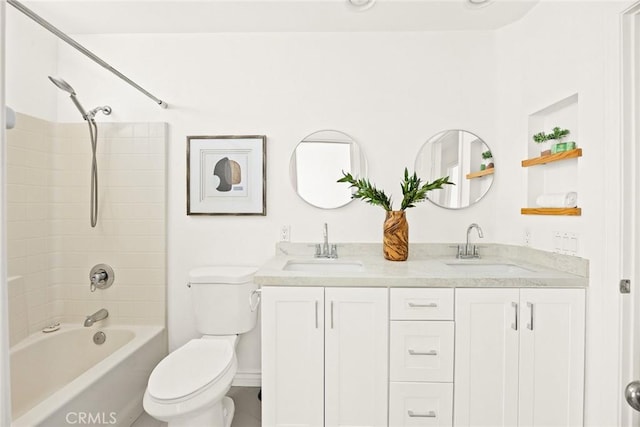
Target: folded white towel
<point>558,200</point>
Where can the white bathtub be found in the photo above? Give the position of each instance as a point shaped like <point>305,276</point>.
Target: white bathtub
<point>62,378</point>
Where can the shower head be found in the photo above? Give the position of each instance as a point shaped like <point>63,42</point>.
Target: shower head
<point>63,85</point>
<point>72,93</point>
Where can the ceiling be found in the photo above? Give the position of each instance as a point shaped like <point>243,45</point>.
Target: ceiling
<point>212,16</point>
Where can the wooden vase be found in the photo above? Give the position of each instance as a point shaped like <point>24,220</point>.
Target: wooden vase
<point>395,238</point>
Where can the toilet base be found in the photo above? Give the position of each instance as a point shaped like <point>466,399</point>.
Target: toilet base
<point>220,415</point>
<point>229,409</point>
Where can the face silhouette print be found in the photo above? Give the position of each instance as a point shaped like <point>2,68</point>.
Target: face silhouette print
<point>228,172</point>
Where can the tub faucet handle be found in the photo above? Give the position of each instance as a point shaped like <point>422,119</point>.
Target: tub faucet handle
<point>101,276</point>
<point>96,279</point>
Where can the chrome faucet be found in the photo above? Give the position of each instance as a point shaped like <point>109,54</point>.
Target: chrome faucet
<point>324,249</point>
<point>95,317</point>
<point>467,251</point>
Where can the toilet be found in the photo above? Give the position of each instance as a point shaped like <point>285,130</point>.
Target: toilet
<point>187,388</point>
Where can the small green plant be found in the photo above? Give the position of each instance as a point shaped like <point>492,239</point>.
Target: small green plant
<point>413,191</point>
<point>540,137</point>
<point>556,134</point>
<point>487,155</point>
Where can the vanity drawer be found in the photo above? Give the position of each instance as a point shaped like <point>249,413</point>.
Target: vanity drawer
<point>421,351</point>
<point>421,304</point>
<point>420,404</point>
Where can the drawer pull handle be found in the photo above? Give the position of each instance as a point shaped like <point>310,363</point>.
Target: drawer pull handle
<point>429,305</point>
<point>430,414</point>
<point>412,352</point>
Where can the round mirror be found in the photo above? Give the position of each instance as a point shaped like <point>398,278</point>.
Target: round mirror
<point>462,156</point>
<point>317,164</point>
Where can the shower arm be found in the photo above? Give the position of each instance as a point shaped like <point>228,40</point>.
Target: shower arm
<point>38,19</point>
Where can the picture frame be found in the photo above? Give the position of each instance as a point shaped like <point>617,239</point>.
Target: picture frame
<point>227,175</point>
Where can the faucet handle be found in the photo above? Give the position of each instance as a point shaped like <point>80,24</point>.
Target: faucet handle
<point>334,251</point>
<point>318,249</point>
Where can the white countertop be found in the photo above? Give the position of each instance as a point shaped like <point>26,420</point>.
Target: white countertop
<point>428,266</point>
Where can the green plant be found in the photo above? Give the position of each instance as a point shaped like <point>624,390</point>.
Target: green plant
<point>413,191</point>
<point>540,137</point>
<point>556,133</point>
<point>487,155</point>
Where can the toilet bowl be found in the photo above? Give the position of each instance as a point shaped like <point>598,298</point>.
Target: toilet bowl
<point>187,388</point>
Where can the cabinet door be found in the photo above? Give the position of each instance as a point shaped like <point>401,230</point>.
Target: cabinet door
<point>552,357</point>
<point>486,357</point>
<point>356,380</point>
<point>292,356</point>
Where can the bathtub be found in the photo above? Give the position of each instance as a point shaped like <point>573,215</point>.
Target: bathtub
<point>63,378</point>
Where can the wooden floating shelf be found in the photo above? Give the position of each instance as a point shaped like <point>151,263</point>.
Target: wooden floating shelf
<point>552,158</point>
<point>551,211</point>
<point>480,173</point>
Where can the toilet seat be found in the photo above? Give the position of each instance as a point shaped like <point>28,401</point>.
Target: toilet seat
<point>190,370</point>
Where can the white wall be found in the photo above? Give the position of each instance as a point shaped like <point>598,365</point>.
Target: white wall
<point>391,92</point>
<point>559,49</point>
<point>5,386</point>
<point>31,56</point>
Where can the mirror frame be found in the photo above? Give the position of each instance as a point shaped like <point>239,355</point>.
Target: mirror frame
<point>358,153</point>
<point>421,153</point>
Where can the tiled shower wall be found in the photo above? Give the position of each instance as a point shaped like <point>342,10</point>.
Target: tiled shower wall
<point>29,166</point>
<point>54,247</point>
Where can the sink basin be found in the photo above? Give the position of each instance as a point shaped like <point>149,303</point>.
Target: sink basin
<point>324,265</point>
<point>495,268</point>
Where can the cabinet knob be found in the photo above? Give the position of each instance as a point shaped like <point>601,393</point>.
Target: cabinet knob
<point>632,395</point>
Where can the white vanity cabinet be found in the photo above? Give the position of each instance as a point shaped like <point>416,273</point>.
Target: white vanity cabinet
<point>519,357</point>
<point>324,356</point>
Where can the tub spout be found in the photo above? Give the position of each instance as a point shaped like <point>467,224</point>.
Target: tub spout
<point>98,315</point>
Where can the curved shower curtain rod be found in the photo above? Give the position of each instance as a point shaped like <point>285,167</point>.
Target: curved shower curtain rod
<point>38,19</point>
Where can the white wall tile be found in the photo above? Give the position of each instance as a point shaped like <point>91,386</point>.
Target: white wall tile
<point>141,130</point>
<point>157,131</point>
<point>51,245</point>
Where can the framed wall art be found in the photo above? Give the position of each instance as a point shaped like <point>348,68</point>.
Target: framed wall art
<point>227,175</point>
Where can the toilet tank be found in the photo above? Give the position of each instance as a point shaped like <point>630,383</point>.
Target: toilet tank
<point>222,297</point>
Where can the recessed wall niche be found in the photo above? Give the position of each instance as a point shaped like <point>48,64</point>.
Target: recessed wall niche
<point>558,176</point>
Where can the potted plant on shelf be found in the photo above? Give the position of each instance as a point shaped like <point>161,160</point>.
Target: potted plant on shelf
<point>395,241</point>
<point>487,160</point>
<point>555,137</point>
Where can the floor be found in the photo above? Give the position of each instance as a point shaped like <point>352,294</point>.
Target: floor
<point>248,410</point>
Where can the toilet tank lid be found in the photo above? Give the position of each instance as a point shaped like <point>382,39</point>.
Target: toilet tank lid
<point>222,274</point>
